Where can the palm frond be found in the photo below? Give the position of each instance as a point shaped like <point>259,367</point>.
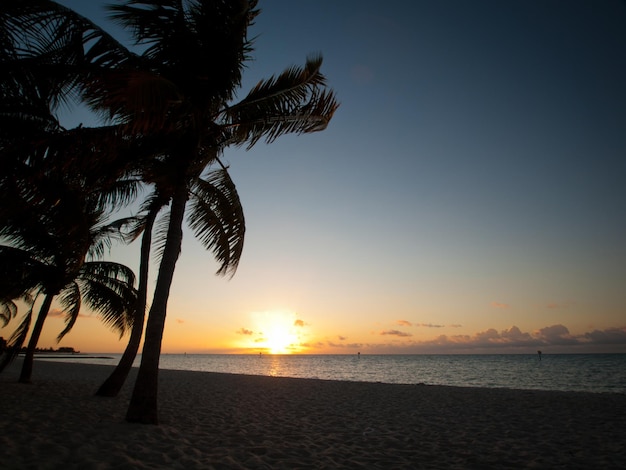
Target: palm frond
<point>57,44</point>
<point>104,271</point>
<point>102,237</point>
<point>216,216</point>
<point>139,99</point>
<point>200,46</point>
<point>17,339</point>
<point>70,299</point>
<point>8,310</point>
<point>293,102</point>
<point>160,236</point>
<point>111,296</point>
<point>21,273</point>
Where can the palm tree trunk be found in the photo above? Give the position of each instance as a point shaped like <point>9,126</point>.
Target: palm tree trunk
<point>27,365</point>
<point>143,404</point>
<point>113,384</point>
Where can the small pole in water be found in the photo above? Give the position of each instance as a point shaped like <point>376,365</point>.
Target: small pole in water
<point>539,354</point>
<point>358,355</point>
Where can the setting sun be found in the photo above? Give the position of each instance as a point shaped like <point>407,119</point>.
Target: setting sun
<point>280,340</point>
<point>276,332</point>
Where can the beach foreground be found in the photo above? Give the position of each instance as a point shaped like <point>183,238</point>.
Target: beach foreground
<point>223,421</point>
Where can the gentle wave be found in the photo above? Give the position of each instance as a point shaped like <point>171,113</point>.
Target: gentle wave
<point>565,372</point>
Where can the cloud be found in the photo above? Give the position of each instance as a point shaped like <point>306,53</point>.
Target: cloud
<point>608,336</point>
<point>556,305</point>
<point>404,323</point>
<point>342,338</point>
<point>499,305</point>
<point>180,321</point>
<point>556,334</point>
<point>299,323</point>
<point>516,335</point>
<point>332,344</point>
<point>429,325</point>
<point>395,333</point>
<point>554,338</point>
<point>57,313</point>
<point>455,325</point>
<point>245,331</point>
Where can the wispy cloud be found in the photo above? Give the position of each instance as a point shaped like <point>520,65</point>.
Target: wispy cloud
<point>430,325</point>
<point>557,305</point>
<point>245,331</point>
<point>395,333</point>
<point>499,305</point>
<point>404,323</point>
<point>332,344</point>
<point>299,323</point>
<point>55,312</point>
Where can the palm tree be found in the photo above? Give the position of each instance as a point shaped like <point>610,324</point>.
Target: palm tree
<point>53,235</point>
<point>213,197</point>
<point>179,94</point>
<point>195,55</point>
<point>54,183</point>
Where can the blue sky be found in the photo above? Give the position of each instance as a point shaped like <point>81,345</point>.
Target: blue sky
<point>472,181</point>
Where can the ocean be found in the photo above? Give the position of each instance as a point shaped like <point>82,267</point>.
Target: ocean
<point>566,372</point>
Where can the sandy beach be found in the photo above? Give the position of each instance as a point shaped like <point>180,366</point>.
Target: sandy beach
<point>224,421</point>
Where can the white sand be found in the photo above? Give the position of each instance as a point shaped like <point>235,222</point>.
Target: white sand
<point>222,421</point>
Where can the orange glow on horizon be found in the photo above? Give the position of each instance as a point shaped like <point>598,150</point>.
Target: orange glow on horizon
<point>275,332</point>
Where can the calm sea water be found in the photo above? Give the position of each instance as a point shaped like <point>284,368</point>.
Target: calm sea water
<point>567,372</point>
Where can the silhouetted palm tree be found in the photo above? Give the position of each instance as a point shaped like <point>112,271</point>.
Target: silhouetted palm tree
<point>176,98</point>
<point>52,235</point>
<point>55,185</point>
<point>213,197</point>
<point>195,54</point>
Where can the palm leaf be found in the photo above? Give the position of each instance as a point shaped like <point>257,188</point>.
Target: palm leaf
<point>20,273</point>
<point>293,102</point>
<point>107,270</point>
<point>67,48</point>
<point>17,339</point>
<point>102,238</point>
<point>216,216</point>
<point>160,236</point>
<point>200,46</point>
<point>70,299</point>
<point>108,290</point>
<point>8,310</point>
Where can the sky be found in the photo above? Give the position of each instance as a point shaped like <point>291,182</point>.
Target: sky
<point>467,197</point>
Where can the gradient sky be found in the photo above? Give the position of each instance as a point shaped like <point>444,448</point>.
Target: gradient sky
<point>468,195</point>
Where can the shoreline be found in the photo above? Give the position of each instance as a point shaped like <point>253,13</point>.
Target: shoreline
<point>219,420</point>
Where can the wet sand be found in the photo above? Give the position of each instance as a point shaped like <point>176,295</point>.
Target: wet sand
<point>224,421</point>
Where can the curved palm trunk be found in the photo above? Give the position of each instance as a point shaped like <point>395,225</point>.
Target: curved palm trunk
<point>27,365</point>
<point>113,384</point>
<point>143,403</point>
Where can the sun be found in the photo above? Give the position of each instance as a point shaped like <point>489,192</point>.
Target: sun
<point>280,340</point>
<point>278,332</point>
